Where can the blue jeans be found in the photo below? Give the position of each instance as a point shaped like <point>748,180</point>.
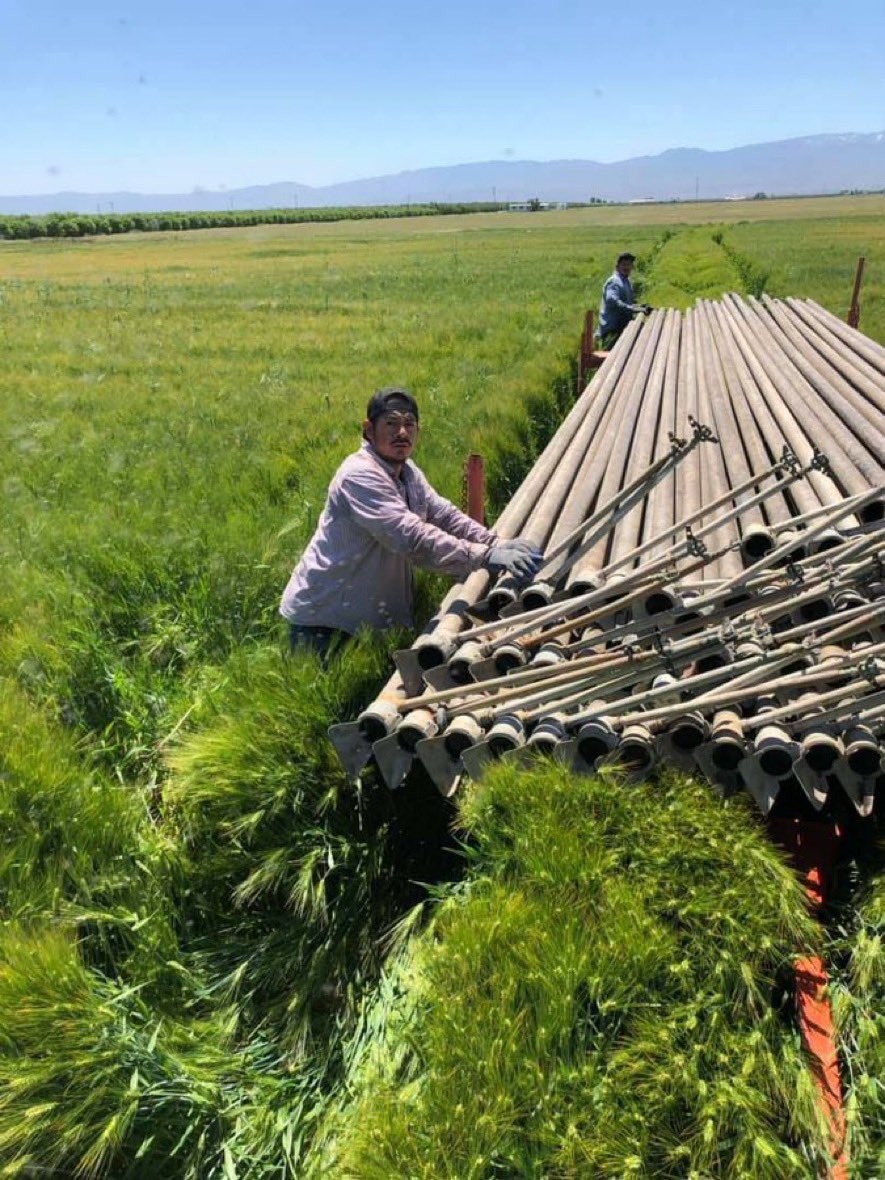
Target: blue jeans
<point>323,640</point>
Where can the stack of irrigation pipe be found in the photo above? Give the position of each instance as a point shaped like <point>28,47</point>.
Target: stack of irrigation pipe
<point>710,514</point>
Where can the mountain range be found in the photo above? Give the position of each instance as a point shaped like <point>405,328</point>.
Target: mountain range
<point>813,164</point>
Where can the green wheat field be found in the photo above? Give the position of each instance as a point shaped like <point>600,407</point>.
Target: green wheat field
<point>217,957</point>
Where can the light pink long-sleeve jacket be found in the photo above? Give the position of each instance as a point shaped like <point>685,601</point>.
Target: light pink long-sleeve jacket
<point>374,528</point>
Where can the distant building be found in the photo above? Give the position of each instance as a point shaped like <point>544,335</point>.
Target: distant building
<point>535,206</point>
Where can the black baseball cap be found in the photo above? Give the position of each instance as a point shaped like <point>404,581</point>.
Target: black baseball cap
<point>389,398</point>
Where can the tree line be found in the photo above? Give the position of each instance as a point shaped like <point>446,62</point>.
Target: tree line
<point>78,225</point>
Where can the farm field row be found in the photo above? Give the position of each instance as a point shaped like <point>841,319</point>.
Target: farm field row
<point>196,903</point>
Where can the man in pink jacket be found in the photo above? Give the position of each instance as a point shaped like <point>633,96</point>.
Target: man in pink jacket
<point>381,519</point>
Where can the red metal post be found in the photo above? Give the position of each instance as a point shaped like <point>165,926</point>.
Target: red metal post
<point>854,310</point>
<point>475,479</point>
<point>813,848</point>
<point>585,361</point>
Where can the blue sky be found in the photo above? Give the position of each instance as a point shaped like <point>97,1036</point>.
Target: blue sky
<point>170,96</point>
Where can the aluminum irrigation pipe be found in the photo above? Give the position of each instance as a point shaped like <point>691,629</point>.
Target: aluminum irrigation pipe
<point>791,390</point>
<point>616,466</point>
<point>734,457</point>
<point>863,400</point>
<point>823,560</point>
<point>849,627</point>
<point>725,699</point>
<point>716,477</point>
<point>753,667</point>
<point>485,691</point>
<point>577,468</point>
<point>627,534</point>
<point>658,541</point>
<point>660,512</point>
<point>770,410</point>
<point>858,541</point>
<point>529,675</point>
<point>733,612</point>
<point>743,362</point>
<point>862,449</point>
<point>571,468</point>
<point>744,398</point>
<point>688,482</point>
<point>869,703</point>
<point>818,566</point>
<point>748,506</point>
<point>645,580</point>
<point>611,401</point>
<point>844,358</point>
<point>641,576</point>
<point>714,481</point>
<point>564,615</point>
<point>756,667</point>
<point>623,500</point>
<point>759,432</point>
<point>528,619</point>
<point>691,625</point>
<point>622,675</point>
<point>533,708</point>
<point>807,706</point>
<point>796,522</point>
<point>872,352</point>
<point>637,588</point>
<point>623,510</point>
<point>525,622</point>
<point>783,550</point>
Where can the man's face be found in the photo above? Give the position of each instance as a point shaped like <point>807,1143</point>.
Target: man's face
<point>393,435</point>
<point>625,268</point>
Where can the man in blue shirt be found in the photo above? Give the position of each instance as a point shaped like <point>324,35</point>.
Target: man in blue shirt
<point>618,301</point>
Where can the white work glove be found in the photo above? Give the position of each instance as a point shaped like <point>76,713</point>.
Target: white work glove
<point>517,557</point>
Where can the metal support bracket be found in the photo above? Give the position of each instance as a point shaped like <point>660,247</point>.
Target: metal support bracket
<point>794,572</point>
<point>694,545</point>
<point>700,432</point>
<point>789,461</point>
<point>664,649</point>
<point>820,463</point>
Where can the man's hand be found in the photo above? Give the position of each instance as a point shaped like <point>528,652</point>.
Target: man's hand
<point>517,557</point>
<point>646,308</point>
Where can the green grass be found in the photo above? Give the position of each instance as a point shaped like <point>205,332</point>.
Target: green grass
<point>597,1002</point>
<point>856,955</point>
<point>197,907</point>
